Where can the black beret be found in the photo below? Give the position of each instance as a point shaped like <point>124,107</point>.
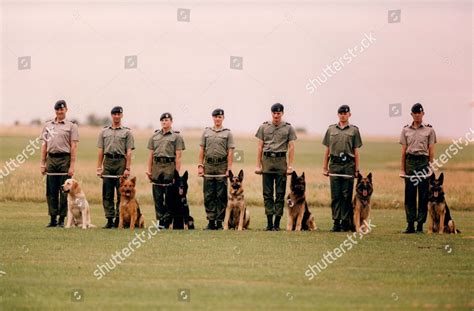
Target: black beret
<point>116,109</point>
<point>60,104</point>
<point>343,108</point>
<point>417,108</point>
<point>166,115</point>
<point>277,107</point>
<point>218,112</point>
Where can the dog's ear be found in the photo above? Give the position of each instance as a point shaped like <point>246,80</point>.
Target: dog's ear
<point>359,178</point>
<point>241,175</point>
<point>370,177</point>
<point>176,174</point>
<point>441,178</point>
<point>185,176</point>
<point>134,180</point>
<point>302,176</point>
<point>432,178</point>
<point>294,176</point>
<point>231,175</point>
<point>75,185</point>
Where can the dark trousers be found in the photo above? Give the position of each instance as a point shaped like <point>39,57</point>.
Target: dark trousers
<point>341,190</point>
<point>215,191</point>
<point>111,186</point>
<point>57,200</point>
<point>414,186</point>
<point>162,173</point>
<point>274,189</point>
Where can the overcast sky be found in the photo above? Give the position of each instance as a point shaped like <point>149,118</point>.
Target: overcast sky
<point>77,52</point>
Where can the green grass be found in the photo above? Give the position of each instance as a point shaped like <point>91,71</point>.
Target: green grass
<point>250,270</point>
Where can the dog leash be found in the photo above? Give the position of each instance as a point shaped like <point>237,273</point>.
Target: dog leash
<point>56,174</point>
<point>110,176</point>
<point>160,185</point>
<point>216,176</point>
<point>341,175</point>
<point>416,176</point>
<point>272,173</point>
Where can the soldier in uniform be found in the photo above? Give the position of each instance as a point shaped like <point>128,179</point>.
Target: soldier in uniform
<point>58,156</point>
<point>166,146</point>
<point>275,138</point>
<point>342,141</point>
<point>115,145</point>
<point>215,158</point>
<point>417,140</point>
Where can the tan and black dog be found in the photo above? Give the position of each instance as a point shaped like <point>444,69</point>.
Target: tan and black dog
<point>236,215</point>
<point>299,216</point>
<point>361,202</point>
<point>439,217</point>
<point>130,214</point>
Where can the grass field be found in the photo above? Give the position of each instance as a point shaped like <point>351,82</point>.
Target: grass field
<point>53,268</point>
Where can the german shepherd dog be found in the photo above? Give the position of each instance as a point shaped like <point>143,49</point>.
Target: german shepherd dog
<point>130,214</point>
<point>177,203</point>
<point>439,216</point>
<point>361,202</point>
<point>236,215</point>
<point>299,216</point>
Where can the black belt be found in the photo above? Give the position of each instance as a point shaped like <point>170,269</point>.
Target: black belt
<point>343,159</point>
<point>216,160</point>
<point>417,156</point>
<point>164,159</point>
<point>274,154</point>
<point>114,156</point>
<point>58,154</point>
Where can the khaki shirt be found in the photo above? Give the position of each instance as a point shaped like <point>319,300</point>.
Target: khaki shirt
<point>166,145</point>
<point>342,140</point>
<point>419,139</point>
<point>276,138</point>
<point>217,142</point>
<point>59,135</point>
<point>116,140</point>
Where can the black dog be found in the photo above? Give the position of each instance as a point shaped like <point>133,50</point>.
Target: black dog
<point>177,203</point>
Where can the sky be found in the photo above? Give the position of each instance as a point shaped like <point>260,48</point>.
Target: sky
<point>190,57</point>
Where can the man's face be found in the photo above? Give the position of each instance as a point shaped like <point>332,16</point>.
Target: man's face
<point>218,120</point>
<point>166,123</point>
<point>61,113</point>
<point>276,116</point>
<point>417,116</point>
<point>344,116</point>
<point>117,117</point>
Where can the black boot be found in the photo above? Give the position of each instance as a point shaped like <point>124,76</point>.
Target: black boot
<point>337,226</point>
<point>346,226</point>
<point>52,223</point>
<point>269,223</point>
<point>419,227</point>
<point>109,224</point>
<point>61,222</point>
<point>116,222</point>
<point>410,228</point>
<point>276,224</point>
<point>211,225</point>
<point>219,225</point>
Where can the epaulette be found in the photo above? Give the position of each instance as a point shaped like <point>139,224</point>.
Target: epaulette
<point>428,125</point>
<point>125,127</point>
<point>355,126</point>
<point>177,132</point>
<point>266,122</point>
<point>156,131</point>
<point>408,125</point>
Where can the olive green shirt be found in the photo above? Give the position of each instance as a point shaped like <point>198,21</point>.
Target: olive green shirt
<point>276,138</point>
<point>59,135</point>
<point>166,144</point>
<point>116,140</point>
<point>419,139</point>
<point>217,142</point>
<point>342,140</point>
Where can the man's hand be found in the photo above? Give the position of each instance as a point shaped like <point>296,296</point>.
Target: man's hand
<point>148,174</point>
<point>99,171</point>
<point>70,172</point>
<point>325,172</point>
<point>258,170</point>
<point>289,170</point>
<point>402,173</point>
<point>43,170</point>
<point>200,170</point>
<point>126,173</point>
<point>227,172</point>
